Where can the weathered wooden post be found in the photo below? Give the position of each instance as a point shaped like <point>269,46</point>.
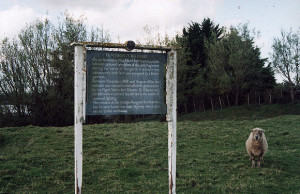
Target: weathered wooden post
<point>171,87</point>
<point>79,114</point>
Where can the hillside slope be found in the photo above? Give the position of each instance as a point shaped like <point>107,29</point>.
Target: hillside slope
<point>132,157</point>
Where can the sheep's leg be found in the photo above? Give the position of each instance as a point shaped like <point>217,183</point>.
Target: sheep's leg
<point>251,157</point>
<point>258,162</point>
<point>253,163</point>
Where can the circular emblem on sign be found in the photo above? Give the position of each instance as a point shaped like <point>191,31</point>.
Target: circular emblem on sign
<point>129,45</point>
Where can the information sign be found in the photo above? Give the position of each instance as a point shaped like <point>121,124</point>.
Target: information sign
<point>125,83</point>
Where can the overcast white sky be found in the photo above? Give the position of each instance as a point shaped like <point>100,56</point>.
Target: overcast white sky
<point>126,18</point>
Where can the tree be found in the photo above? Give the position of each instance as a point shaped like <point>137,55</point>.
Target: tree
<point>193,78</point>
<point>196,35</point>
<point>236,65</point>
<point>232,63</point>
<point>219,81</point>
<point>285,59</point>
<point>37,70</point>
<point>36,43</point>
<point>61,94</point>
<point>13,80</point>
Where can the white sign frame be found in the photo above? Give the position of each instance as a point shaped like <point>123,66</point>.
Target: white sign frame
<point>80,99</point>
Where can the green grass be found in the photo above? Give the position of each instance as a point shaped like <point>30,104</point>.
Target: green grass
<point>132,158</point>
<point>245,113</point>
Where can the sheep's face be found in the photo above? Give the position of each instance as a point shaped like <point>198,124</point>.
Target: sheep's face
<point>257,133</point>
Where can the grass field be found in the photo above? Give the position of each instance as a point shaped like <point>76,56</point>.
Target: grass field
<point>132,157</point>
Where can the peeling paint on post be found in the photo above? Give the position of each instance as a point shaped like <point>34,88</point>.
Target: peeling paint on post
<point>79,115</point>
<point>84,69</point>
<point>171,87</point>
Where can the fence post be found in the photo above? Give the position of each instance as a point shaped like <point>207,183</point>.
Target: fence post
<point>171,87</point>
<point>79,114</point>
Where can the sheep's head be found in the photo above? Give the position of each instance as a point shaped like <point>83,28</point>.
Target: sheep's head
<point>257,133</point>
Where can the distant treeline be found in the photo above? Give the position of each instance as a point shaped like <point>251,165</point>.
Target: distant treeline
<point>217,68</point>
<point>221,67</point>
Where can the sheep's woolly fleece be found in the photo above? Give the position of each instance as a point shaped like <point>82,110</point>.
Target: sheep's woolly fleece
<point>257,145</point>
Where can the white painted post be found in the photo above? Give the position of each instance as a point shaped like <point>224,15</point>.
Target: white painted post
<point>171,87</point>
<point>84,85</point>
<point>79,115</point>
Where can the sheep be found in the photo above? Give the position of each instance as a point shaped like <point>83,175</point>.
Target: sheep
<point>257,145</point>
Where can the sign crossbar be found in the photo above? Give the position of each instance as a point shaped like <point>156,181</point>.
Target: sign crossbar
<point>120,45</point>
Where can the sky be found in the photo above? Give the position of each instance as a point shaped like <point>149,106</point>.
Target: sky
<point>125,19</point>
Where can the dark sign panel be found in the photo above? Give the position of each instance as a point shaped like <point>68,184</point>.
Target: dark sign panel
<point>124,83</point>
